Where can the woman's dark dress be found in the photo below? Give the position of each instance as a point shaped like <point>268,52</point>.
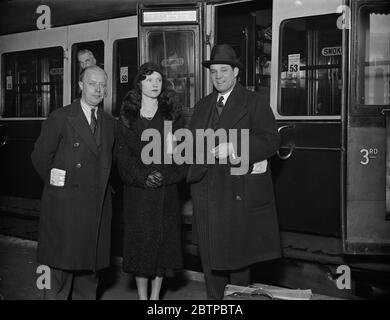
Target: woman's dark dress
<point>152,238</point>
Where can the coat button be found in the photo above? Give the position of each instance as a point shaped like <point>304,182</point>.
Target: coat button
<point>78,166</point>
<point>238,198</point>
<point>76,145</point>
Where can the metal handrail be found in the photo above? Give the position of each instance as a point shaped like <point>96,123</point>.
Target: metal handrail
<point>292,147</point>
<point>310,148</point>
<point>386,113</point>
<point>5,137</point>
<point>4,142</point>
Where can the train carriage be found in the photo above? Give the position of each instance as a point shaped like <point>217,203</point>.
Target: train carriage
<point>323,66</point>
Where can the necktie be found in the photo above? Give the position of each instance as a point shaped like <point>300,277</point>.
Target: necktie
<point>93,124</point>
<point>220,105</point>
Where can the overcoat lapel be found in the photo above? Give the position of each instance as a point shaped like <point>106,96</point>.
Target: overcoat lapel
<point>99,129</point>
<point>202,118</point>
<point>235,108</point>
<point>106,143</point>
<point>80,124</point>
<point>106,139</point>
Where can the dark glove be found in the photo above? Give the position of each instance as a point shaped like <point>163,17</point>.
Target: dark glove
<point>154,180</point>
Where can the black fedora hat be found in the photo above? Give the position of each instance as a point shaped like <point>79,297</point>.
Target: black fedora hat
<point>223,54</point>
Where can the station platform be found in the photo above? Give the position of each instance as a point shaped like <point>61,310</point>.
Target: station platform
<point>18,277</point>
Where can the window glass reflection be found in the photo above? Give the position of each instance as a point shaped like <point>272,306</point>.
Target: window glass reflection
<point>374,55</point>
<point>33,82</point>
<point>174,51</point>
<point>310,79</point>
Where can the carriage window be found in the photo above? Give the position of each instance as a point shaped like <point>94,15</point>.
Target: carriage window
<point>85,54</point>
<point>125,66</point>
<point>374,55</point>
<point>32,82</point>
<point>310,74</point>
<point>175,52</point>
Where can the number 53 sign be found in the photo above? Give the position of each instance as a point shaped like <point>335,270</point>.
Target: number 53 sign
<point>294,61</point>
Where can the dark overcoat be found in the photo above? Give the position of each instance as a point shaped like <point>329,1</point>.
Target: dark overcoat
<point>152,238</point>
<point>236,213</point>
<point>75,220</point>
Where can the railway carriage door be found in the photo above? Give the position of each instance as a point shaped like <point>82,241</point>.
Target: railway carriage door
<point>306,97</point>
<point>367,218</point>
<point>123,40</point>
<point>170,37</point>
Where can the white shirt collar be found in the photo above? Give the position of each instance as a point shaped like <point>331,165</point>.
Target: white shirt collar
<point>225,96</point>
<point>87,110</point>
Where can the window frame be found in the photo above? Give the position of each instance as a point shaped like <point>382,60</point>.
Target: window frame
<point>280,115</point>
<point>356,108</point>
<point>115,73</point>
<point>74,48</point>
<point>193,28</point>
<point>21,50</point>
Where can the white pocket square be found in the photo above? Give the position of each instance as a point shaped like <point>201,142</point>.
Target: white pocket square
<point>260,167</point>
<point>57,177</point>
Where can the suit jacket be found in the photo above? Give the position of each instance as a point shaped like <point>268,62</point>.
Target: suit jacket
<point>75,221</point>
<point>235,214</point>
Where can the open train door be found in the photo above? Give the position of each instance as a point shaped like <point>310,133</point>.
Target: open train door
<point>170,37</point>
<point>367,216</point>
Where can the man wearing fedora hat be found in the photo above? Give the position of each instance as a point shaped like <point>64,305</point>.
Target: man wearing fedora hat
<point>235,220</point>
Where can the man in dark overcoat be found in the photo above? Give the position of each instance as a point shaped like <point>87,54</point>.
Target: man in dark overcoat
<point>234,215</point>
<point>73,156</point>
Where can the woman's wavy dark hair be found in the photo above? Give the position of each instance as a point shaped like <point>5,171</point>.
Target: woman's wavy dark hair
<point>168,100</point>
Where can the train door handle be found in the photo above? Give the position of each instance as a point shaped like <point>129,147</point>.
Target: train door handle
<point>291,146</point>
<point>4,142</point>
<point>288,154</point>
<point>5,137</point>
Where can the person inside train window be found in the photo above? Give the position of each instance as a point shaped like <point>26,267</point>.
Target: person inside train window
<point>73,156</point>
<point>86,58</point>
<point>235,220</point>
<point>152,240</point>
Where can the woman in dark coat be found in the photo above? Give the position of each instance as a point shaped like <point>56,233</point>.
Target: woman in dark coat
<point>152,239</point>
